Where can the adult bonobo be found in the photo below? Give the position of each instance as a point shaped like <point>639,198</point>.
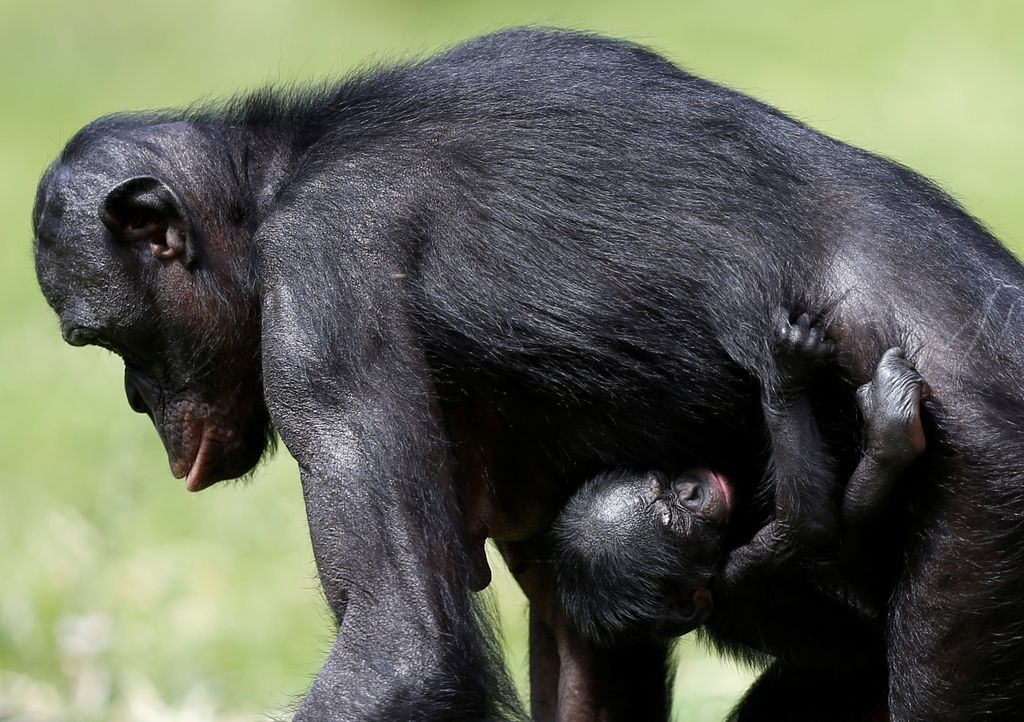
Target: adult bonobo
<point>459,288</point>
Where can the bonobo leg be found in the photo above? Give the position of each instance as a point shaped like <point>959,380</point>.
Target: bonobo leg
<point>894,437</point>
<point>891,408</point>
<point>803,479</point>
<point>573,679</point>
<point>847,682</point>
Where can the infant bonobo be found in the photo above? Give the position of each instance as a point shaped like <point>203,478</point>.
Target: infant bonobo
<point>638,553</point>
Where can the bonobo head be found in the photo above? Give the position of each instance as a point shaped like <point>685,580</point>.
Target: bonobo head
<point>636,553</point>
<point>141,247</point>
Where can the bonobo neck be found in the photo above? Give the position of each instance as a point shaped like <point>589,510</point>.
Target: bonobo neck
<point>261,159</point>
<point>266,134</point>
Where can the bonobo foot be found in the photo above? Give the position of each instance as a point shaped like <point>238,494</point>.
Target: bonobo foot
<point>801,346</point>
<point>891,406</point>
<point>893,439</point>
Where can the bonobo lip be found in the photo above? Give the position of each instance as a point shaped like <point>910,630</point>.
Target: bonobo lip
<point>719,498</point>
<point>196,479</point>
<point>723,486</point>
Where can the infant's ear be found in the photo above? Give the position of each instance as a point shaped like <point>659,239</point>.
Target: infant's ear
<point>685,612</point>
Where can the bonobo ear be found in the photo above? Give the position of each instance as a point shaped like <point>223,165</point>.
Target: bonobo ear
<point>145,209</point>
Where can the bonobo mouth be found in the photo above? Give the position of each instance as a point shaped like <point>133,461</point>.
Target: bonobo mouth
<point>205,441</point>
<point>724,489</point>
<point>197,479</point>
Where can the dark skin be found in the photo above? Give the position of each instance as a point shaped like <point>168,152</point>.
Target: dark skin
<point>459,289</point>
<point>642,553</point>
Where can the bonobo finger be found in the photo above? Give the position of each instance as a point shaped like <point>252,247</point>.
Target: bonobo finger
<point>784,331</point>
<point>896,366</point>
<point>892,364</point>
<point>892,355</point>
<point>824,347</point>
<point>780,319</point>
<point>864,397</point>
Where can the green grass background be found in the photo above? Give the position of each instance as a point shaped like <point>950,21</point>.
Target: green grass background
<point>123,597</point>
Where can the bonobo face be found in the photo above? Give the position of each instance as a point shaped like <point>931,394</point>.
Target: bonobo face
<point>694,509</point>
<point>637,553</point>
<point>695,497</point>
<point>134,258</point>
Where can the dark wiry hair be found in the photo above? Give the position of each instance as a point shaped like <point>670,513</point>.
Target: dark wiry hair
<point>619,571</point>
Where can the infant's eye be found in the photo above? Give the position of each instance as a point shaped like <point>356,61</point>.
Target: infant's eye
<point>661,506</point>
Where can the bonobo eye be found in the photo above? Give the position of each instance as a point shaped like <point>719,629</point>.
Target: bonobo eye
<point>688,492</point>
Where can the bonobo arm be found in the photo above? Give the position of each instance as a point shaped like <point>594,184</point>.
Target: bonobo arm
<point>803,480</point>
<point>894,437</point>
<point>349,392</point>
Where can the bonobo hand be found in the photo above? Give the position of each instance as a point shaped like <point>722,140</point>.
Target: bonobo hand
<point>801,346</point>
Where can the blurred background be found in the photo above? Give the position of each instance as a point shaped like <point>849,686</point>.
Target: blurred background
<point>123,597</point>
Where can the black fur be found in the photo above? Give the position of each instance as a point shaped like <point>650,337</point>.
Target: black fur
<point>639,554</point>
<point>511,266</point>
<point>627,574</point>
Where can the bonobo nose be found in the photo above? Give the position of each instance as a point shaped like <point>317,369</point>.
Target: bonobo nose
<point>142,396</point>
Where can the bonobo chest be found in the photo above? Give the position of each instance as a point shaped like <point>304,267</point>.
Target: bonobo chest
<point>519,453</point>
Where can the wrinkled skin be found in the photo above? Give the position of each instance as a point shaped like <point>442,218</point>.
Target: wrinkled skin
<point>186,323</point>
